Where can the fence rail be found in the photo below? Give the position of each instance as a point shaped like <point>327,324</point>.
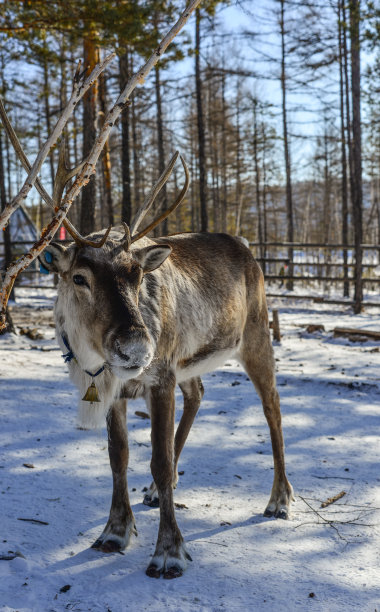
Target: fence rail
<point>324,264</point>
<point>318,266</point>
<point>314,245</point>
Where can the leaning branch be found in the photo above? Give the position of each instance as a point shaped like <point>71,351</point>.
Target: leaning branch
<point>89,166</point>
<point>80,86</point>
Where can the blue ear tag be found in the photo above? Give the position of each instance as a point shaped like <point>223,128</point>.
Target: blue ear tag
<point>49,258</point>
<point>43,270</point>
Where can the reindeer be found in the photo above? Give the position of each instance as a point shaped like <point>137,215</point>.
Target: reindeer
<point>135,316</point>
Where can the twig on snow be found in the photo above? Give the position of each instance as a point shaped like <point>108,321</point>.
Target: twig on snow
<point>332,522</point>
<point>11,555</point>
<point>32,520</point>
<point>331,500</point>
<point>334,477</point>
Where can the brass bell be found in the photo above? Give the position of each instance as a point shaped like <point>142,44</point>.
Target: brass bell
<point>91,394</point>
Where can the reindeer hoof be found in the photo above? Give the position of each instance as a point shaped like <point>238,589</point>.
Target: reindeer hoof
<point>110,546</point>
<point>173,572</point>
<point>152,502</point>
<point>268,513</point>
<point>107,546</point>
<point>153,571</point>
<point>110,542</point>
<point>282,514</point>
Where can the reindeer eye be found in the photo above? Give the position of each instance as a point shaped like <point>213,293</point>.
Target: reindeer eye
<point>79,280</point>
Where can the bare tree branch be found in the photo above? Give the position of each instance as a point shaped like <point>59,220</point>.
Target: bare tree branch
<point>80,86</point>
<point>89,166</point>
<point>63,173</point>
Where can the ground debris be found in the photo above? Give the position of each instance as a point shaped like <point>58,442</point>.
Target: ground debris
<point>32,520</point>
<point>331,500</point>
<point>31,333</point>
<point>142,415</point>
<point>353,334</point>
<point>11,555</point>
<point>311,329</point>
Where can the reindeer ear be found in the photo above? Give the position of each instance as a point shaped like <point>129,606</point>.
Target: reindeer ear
<point>152,257</point>
<point>54,259</point>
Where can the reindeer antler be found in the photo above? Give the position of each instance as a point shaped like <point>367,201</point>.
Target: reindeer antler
<point>62,177</point>
<point>153,194</point>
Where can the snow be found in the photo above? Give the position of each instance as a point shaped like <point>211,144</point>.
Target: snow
<point>330,395</point>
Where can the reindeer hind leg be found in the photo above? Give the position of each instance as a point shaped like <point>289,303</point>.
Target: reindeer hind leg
<point>257,358</point>
<point>193,391</point>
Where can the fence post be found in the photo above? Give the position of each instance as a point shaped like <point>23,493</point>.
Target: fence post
<point>276,325</point>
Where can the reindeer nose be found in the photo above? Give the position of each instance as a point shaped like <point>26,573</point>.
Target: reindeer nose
<point>133,349</point>
<point>120,352</point>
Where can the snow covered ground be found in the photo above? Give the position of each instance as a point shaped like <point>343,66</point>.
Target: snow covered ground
<point>323,559</point>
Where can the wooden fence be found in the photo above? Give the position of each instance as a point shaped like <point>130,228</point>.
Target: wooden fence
<point>317,268</point>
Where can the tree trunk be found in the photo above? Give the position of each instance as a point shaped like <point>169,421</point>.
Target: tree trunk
<point>3,196</point>
<point>348,104</point>
<point>91,58</point>
<point>136,161</point>
<point>7,230</point>
<point>326,190</point>
<point>126,203</point>
<point>238,189</point>
<point>201,127</point>
<point>106,158</point>
<point>161,148</point>
<point>7,240</point>
<point>194,227</point>
<point>9,325</point>
<point>289,198</point>
<point>257,181</point>
<point>46,93</point>
<point>224,154</point>
<point>357,199</point>
<point>213,150</point>
<point>264,182</point>
<point>346,286</point>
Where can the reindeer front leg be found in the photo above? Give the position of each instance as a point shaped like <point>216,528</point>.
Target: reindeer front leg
<point>121,522</point>
<point>170,555</point>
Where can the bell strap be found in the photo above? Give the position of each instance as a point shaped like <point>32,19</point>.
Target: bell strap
<point>96,373</point>
<point>70,355</point>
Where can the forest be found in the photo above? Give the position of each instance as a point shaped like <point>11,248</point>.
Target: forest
<point>274,104</point>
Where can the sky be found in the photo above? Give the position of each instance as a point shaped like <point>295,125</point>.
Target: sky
<point>254,55</point>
